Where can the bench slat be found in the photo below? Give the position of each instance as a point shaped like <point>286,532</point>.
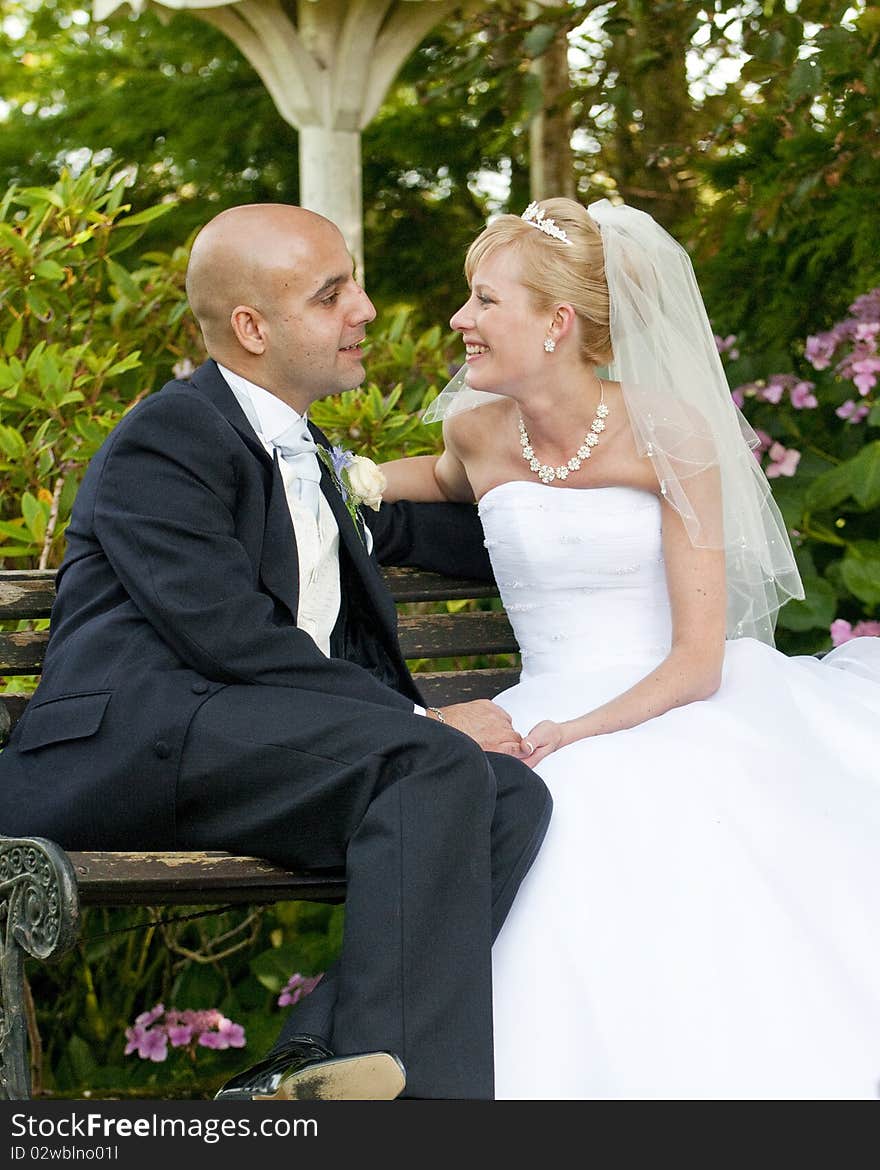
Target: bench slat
<point>420,585</point>
<point>29,593</point>
<point>445,635</point>
<point>22,651</point>
<point>444,687</point>
<point>195,879</point>
<point>26,593</point>
<point>435,635</point>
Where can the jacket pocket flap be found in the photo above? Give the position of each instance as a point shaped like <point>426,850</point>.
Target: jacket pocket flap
<point>72,717</point>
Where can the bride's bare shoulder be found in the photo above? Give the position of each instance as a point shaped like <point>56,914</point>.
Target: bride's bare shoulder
<point>475,427</point>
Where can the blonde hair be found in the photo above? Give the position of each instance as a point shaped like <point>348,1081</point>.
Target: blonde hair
<point>553,271</point>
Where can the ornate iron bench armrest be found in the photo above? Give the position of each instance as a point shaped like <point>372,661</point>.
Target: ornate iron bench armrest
<point>39,905</point>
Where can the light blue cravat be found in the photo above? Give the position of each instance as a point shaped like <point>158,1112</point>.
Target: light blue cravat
<point>299,451</point>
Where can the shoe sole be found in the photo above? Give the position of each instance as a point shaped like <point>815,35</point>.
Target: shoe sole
<point>375,1076</point>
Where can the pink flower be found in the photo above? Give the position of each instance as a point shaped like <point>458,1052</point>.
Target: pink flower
<point>843,631</point>
<point>298,986</point>
<point>865,374</point>
<point>783,461</point>
<point>819,350</point>
<point>228,1035</point>
<point>727,345</point>
<point>772,392</point>
<point>738,397</point>
<point>802,397</point>
<point>149,1043</point>
<point>150,1017</point>
<point>151,1034</point>
<point>180,1035</point>
<point>853,411</point>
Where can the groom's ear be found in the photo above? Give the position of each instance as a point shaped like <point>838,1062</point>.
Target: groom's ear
<point>249,328</point>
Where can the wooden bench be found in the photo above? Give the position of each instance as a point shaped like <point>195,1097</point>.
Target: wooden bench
<point>43,888</point>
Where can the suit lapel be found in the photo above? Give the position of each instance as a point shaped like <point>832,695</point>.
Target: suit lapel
<point>279,562</point>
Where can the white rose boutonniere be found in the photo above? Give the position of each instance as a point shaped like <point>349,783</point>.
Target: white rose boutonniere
<point>366,481</point>
<point>358,479</point>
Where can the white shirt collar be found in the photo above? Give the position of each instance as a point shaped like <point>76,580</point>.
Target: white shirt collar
<point>265,411</point>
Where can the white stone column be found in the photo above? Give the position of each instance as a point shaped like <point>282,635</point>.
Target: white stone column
<point>330,182</point>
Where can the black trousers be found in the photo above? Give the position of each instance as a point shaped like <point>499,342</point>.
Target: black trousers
<point>435,836</point>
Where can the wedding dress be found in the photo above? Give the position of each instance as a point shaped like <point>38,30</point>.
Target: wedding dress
<point>703,919</point>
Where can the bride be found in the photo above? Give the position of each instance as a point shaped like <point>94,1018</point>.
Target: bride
<point>703,920</point>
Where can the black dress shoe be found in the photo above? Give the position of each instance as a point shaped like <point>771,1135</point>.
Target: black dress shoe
<point>304,1070</point>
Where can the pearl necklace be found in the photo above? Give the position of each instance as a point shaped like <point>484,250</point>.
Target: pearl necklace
<point>546,473</point>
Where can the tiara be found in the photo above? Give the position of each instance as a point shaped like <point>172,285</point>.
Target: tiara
<point>536,216</point>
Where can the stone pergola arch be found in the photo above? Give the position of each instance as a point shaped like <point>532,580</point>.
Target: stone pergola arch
<point>327,65</point>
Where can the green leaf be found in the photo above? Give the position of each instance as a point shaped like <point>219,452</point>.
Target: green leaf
<point>860,570</point>
<point>538,39</point>
<point>146,216</point>
<point>12,443</point>
<point>130,362</point>
<point>35,516</point>
<point>13,240</point>
<point>13,336</point>
<point>817,610</point>
<point>49,270</point>
<point>35,196</point>
<point>123,280</point>
<point>865,470</point>
<point>15,532</point>
<point>805,80</point>
<point>37,303</point>
<point>828,489</point>
<point>873,417</point>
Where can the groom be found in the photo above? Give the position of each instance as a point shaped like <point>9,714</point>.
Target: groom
<point>224,673</point>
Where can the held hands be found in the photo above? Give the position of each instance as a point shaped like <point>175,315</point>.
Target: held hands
<point>489,725</point>
<point>544,738</point>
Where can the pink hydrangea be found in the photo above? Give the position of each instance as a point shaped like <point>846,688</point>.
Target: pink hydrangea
<point>864,373</point>
<point>154,1030</point>
<point>843,631</point>
<point>227,1035</point>
<point>783,461</point>
<point>297,986</point>
<point>802,396</point>
<point>854,412</point>
<point>819,349</point>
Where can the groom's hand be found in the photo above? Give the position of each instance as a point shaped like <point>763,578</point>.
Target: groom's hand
<point>488,724</point>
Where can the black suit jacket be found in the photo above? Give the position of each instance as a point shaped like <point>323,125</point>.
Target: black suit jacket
<point>180,577</point>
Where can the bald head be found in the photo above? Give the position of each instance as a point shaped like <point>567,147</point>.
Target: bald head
<point>241,257</point>
<point>273,289</point>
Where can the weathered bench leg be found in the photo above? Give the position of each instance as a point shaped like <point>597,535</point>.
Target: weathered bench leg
<point>39,916</point>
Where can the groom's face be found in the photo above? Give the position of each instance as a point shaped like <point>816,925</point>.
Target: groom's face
<point>317,315</point>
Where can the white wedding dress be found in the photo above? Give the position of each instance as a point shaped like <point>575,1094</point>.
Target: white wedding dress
<point>703,919</point>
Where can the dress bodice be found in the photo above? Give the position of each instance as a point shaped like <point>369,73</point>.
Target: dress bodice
<point>580,572</point>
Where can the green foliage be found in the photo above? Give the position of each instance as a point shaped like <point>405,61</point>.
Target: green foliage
<point>785,236</point>
<point>830,496</point>
<point>405,372</point>
<point>82,337</point>
<point>130,960</point>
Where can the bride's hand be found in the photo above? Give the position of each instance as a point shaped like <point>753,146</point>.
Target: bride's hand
<point>544,738</point>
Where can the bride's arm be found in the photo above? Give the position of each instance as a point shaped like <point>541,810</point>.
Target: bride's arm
<point>428,478</point>
<point>691,670</point>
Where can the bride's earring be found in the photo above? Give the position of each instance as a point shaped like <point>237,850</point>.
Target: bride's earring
<point>549,344</point>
